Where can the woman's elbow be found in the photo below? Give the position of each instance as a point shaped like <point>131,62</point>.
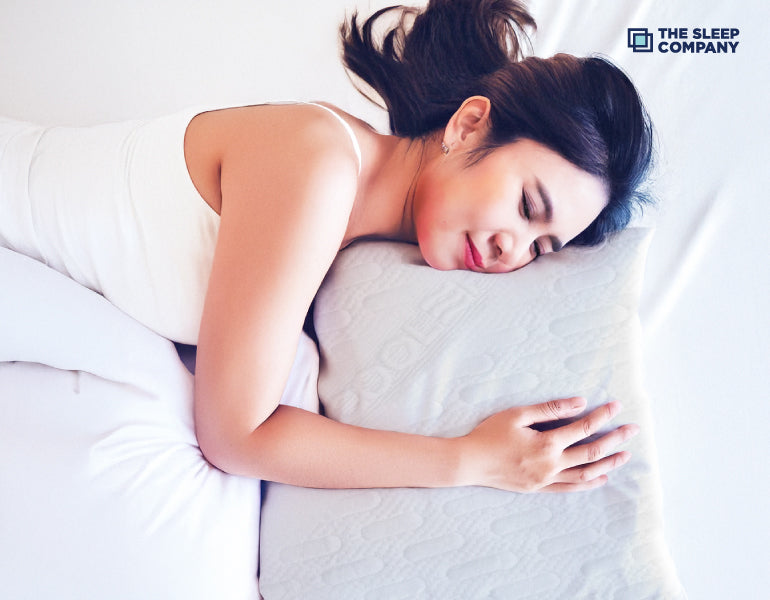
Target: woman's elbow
<point>219,452</point>
<point>230,440</point>
<point>229,451</point>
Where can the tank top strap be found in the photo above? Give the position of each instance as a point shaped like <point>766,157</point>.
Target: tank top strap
<point>347,127</point>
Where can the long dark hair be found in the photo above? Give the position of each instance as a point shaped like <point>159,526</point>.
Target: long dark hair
<point>585,109</point>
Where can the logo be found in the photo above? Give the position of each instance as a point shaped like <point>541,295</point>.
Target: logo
<point>639,39</point>
<point>678,40</point>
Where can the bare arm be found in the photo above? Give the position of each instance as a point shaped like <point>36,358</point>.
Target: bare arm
<point>302,448</point>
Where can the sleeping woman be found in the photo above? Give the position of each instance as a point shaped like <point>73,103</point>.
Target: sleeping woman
<point>217,228</point>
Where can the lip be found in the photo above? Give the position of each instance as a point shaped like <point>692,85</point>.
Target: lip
<point>473,260</point>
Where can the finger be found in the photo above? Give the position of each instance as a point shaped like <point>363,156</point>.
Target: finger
<point>587,426</point>
<point>553,410</point>
<point>594,470</point>
<point>576,487</point>
<point>599,448</point>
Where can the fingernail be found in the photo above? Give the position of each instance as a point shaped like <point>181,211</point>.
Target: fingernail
<point>578,402</point>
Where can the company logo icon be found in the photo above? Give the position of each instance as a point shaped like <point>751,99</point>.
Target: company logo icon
<point>639,39</point>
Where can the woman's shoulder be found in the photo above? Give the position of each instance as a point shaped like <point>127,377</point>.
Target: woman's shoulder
<point>312,142</point>
<point>277,126</point>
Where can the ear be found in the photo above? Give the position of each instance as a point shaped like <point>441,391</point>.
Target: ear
<point>469,125</point>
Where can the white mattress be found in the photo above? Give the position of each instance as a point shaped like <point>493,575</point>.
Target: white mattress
<point>703,302</point>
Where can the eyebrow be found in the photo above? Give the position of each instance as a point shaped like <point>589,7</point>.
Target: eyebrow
<point>556,244</point>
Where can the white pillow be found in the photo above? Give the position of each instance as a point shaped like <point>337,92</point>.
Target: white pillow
<point>408,348</point>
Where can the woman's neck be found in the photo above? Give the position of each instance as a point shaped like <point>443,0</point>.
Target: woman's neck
<point>383,203</point>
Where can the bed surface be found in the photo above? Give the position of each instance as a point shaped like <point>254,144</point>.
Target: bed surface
<point>704,302</point>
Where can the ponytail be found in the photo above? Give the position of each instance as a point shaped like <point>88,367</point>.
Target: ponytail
<point>430,61</point>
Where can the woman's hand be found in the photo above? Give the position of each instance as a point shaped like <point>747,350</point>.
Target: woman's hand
<point>505,452</point>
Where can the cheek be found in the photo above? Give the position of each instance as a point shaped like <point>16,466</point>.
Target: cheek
<point>445,205</point>
<point>434,236</point>
<point>434,245</point>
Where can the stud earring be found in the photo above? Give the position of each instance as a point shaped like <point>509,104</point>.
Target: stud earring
<point>444,148</point>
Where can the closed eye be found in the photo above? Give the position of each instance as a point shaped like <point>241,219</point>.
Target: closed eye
<point>526,207</point>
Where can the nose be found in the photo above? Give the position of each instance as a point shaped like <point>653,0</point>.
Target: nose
<point>502,243</point>
<point>509,252</point>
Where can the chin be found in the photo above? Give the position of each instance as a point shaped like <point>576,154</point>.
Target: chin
<point>434,262</point>
<point>433,248</point>
<point>440,268</point>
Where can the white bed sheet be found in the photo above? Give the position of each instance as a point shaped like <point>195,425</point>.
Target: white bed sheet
<point>104,492</point>
<point>707,281</point>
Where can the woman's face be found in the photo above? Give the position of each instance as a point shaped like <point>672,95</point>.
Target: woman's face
<point>520,201</point>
